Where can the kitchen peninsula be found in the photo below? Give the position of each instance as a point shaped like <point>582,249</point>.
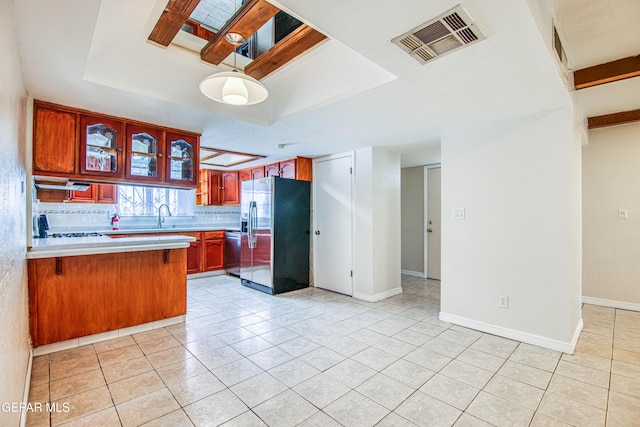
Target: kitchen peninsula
<point>91,285</point>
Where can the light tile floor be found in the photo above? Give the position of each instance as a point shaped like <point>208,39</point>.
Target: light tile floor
<point>315,358</point>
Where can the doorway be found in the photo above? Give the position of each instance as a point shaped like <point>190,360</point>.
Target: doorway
<point>433,217</point>
<point>332,223</point>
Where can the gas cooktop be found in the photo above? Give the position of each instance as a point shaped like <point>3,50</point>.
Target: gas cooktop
<point>75,235</point>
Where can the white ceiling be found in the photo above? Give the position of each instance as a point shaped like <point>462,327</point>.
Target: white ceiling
<point>353,91</point>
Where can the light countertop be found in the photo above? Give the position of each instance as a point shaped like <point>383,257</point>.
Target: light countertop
<point>74,246</point>
<point>167,229</point>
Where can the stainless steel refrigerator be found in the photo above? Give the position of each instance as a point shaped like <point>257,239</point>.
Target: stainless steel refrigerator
<point>276,216</point>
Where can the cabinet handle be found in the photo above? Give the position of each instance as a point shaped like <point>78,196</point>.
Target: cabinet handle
<point>119,149</point>
<point>58,266</point>
<point>159,154</point>
<point>165,256</point>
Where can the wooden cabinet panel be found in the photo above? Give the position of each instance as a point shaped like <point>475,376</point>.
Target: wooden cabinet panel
<point>97,193</point>
<point>215,183</point>
<point>230,189</point>
<point>52,196</point>
<point>107,194</point>
<point>245,175</point>
<point>88,196</point>
<point>303,167</point>
<point>193,257</point>
<point>288,169</point>
<point>101,146</point>
<point>145,153</point>
<point>214,254</point>
<point>210,235</point>
<point>54,141</point>
<point>125,289</point>
<point>257,173</point>
<point>272,169</point>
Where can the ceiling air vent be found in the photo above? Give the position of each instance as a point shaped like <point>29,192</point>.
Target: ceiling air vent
<point>450,31</point>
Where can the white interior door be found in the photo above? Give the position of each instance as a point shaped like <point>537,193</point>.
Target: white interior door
<point>332,238</point>
<point>433,223</point>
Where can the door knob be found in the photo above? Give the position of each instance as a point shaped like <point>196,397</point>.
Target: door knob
<point>430,230</point>
<point>317,232</point>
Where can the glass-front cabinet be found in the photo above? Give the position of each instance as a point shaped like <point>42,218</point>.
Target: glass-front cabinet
<point>145,153</point>
<point>182,158</point>
<point>101,146</point>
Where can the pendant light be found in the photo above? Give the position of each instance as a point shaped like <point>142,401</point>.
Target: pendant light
<point>234,87</point>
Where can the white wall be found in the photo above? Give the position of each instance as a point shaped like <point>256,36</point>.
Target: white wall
<point>376,224</point>
<point>518,181</point>
<point>412,223</point>
<point>14,333</point>
<point>611,181</point>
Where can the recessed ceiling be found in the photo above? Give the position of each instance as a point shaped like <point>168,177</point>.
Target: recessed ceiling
<point>353,91</point>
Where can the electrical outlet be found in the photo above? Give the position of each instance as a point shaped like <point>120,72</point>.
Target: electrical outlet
<point>503,301</point>
<point>622,213</point>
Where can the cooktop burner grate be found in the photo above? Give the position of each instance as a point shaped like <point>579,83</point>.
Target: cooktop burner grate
<point>75,235</point>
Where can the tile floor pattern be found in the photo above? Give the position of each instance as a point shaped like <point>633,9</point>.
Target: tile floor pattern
<point>315,358</point>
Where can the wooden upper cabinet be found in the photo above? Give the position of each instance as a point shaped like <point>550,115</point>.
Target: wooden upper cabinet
<point>245,175</point>
<point>97,193</point>
<point>87,196</point>
<point>272,169</point>
<point>181,159</point>
<point>257,173</point>
<point>288,169</point>
<point>101,146</point>
<point>215,185</point>
<point>230,189</point>
<point>54,141</point>
<point>145,151</point>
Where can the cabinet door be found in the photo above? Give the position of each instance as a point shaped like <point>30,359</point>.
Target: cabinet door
<point>245,175</point>
<point>230,189</point>
<point>145,151</point>
<point>54,141</point>
<point>84,196</point>
<point>202,191</point>
<point>288,169</point>
<point>214,254</point>
<point>101,146</point>
<point>193,257</point>
<point>107,194</point>
<point>215,185</point>
<point>257,173</point>
<point>272,170</point>
<point>181,159</point>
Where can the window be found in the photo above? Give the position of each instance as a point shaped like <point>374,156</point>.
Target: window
<point>141,201</point>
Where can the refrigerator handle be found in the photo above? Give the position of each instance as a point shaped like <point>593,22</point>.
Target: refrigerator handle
<point>253,219</point>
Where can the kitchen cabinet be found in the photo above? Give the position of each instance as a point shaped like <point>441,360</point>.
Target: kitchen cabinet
<point>257,173</point>
<point>87,146</point>
<point>218,188</point>
<point>126,289</point>
<point>297,168</point>
<point>145,151</point>
<point>245,175</point>
<point>54,141</point>
<point>97,193</point>
<point>101,146</point>
<point>194,258</point>
<point>181,159</point>
<point>213,250</point>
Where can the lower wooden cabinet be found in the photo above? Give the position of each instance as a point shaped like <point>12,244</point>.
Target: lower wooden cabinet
<point>125,289</point>
<point>194,257</point>
<point>213,254</point>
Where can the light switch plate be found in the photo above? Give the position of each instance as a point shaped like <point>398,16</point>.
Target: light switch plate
<point>622,213</point>
<point>457,213</point>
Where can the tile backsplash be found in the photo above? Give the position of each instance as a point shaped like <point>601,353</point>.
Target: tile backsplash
<point>88,217</point>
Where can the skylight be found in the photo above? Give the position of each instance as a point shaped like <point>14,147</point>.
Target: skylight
<point>213,14</point>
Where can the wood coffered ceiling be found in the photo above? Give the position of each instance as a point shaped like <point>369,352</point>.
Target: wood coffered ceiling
<point>246,21</point>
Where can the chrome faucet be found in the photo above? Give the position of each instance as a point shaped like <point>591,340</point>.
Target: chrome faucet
<point>160,218</point>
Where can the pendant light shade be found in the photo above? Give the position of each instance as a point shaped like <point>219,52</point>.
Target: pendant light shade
<point>233,88</point>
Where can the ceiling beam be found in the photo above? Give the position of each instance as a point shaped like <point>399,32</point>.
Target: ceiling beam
<point>606,73</point>
<point>614,119</point>
<point>247,20</point>
<point>299,41</point>
<point>173,17</point>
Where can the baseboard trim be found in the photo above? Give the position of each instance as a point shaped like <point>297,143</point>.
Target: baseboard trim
<point>377,297</point>
<point>550,343</point>
<point>91,339</point>
<point>27,389</point>
<point>611,303</point>
<point>413,273</point>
